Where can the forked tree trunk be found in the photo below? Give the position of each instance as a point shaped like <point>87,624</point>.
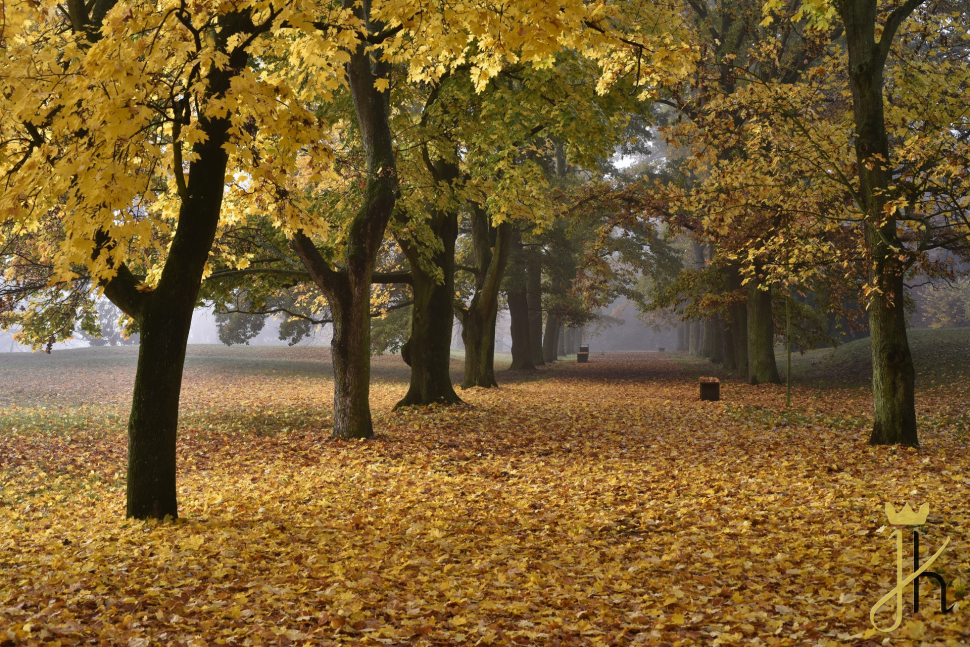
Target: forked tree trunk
<point>521,339</point>
<point>893,375</point>
<point>533,269</point>
<point>348,288</point>
<point>491,247</point>
<point>762,368</point>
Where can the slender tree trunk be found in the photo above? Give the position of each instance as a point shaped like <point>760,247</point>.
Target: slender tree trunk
<point>738,313</point>
<point>727,343</point>
<point>893,375</point>
<point>550,342</point>
<point>682,336</point>
<point>707,343</point>
<point>533,270</point>
<point>717,340</point>
<point>561,347</point>
<point>762,368</point>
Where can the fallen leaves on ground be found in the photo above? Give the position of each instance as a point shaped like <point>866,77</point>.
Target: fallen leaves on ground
<point>600,505</point>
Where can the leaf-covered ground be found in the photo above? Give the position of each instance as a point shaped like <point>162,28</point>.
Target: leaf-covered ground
<point>594,504</point>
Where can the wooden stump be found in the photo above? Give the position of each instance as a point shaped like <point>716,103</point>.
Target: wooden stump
<point>710,389</point>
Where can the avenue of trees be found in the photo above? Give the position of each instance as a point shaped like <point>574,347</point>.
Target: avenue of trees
<point>391,167</point>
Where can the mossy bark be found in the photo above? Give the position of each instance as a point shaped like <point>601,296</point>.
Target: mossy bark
<point>893,375</point>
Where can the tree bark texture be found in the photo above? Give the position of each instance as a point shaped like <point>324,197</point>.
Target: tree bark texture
<point>164,315</point>
<point>521,337</point>
<point>433,315</point>
<point>893,374</point>
<point>349,289</point>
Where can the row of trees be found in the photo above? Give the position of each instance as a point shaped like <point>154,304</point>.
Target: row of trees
<point>165,153</point>
<point>347,162</point>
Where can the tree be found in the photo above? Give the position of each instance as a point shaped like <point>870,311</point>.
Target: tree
<point>121,124</point>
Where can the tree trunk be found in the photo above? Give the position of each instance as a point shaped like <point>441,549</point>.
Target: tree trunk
<point>762,368</point>
<point>491,247</point>
<point>561,347</point>
<point>433,315</point>
<point>707,343</point>
<point>350,351</point>
<point>521,338</point>
<point>550,342</point>
<point>717,340</point>
<point>727,343</point>
<point>348,289</point>
<point>893,375</point>
<point>694,341</point>
<point>533,270</point>
<point>739,321</point>
<point>682,336</point>
<point>164,316</point>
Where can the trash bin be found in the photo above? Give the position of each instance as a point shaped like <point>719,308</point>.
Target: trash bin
<point>583,355</point>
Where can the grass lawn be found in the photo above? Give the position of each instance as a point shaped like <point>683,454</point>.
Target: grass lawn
<point>593,504</point>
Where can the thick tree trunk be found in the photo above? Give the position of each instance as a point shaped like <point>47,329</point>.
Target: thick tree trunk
<point>533,270</point>
<point>164,316</point>
<point>893,375</point>
<point>550,341</point>
<point>521,337</point>
<point>762,368</point>
<point>433,315</point>
<point>350,351</point>
<point>432,324</point>
<point>695,337</point>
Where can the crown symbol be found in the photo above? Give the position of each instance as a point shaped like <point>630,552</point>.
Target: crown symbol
<point>906,516</point>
